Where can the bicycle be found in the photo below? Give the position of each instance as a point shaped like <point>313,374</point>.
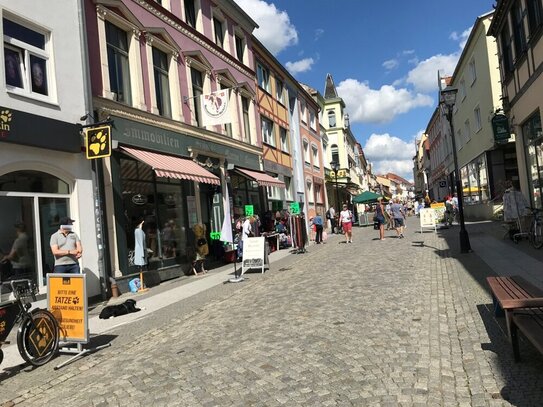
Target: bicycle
<point>536,229</point>
<point>38,332</point>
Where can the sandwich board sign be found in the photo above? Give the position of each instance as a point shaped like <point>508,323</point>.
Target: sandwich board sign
<point>428,219</point>
<point>253,254</point>
<point>67,301</point>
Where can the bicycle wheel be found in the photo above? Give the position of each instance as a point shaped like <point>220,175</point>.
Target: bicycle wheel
<point>536,235</point>
<point>37,337</point>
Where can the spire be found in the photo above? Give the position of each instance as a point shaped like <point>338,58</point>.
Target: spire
<point>330,91</point>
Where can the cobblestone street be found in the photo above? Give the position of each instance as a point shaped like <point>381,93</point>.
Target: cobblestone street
<point>384,323</point>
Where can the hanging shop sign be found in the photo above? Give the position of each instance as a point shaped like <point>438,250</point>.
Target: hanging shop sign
<point>249,210</point>
<point>67,300</point>
<point>295,208</point>
<point>500,127</point>
<point>139,199</point>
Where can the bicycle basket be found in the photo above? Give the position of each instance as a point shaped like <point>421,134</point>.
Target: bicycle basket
<point>24,289</point>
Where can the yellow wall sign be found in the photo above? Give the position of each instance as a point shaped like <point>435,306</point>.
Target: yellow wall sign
<point>67,300</point>
<point>98,142</point>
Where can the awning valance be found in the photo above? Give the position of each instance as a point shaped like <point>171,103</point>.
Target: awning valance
<point>173,167</point>
<point>263,180</point>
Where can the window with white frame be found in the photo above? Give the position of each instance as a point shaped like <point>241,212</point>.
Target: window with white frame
<point>303,111</point>
<point>227,126</point>
<point>318,193</point>
<point>191,14</point>
<point>268,136</point>
<point>459,139</point>
<point>263,77</point>
<point>312,120</point>
<point>478,121</point>
<point>288,188</point>
<point>462,89</point>
<point>284,139</point>
<point>240,46</point>
<point>219,26</point>
<point>307,158</point>
<point>245,104</point>
<point>315,153</point>
<point>279,90</point>
<point>27,59</point>
<point>467,131</point>
<point>162,83</point>
<point>197,79</point>
<point>332,118</point>
<point>118,63</point>
<point>274,193</point>
<point>309,190</point>
<point>472,71</point>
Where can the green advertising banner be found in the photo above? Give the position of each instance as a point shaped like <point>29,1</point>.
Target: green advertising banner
<point>249,210</point>
<point>295,208</point>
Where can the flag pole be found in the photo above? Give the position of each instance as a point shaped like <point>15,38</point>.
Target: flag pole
<point>227,228</point>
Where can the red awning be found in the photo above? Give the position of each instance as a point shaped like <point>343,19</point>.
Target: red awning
<point>173,167</point>
<point>264,180</point>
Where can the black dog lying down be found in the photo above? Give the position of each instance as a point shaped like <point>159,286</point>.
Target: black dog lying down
<point>126,307</point>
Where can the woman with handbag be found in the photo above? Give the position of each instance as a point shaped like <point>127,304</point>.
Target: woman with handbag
<point>380,218</point>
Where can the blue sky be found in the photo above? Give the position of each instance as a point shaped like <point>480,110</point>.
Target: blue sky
<point>383,55</point>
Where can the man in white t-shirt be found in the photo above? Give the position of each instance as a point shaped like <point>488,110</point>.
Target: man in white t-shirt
<point>247,230</point>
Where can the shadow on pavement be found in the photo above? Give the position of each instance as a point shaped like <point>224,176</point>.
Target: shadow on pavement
<point>523,380</point>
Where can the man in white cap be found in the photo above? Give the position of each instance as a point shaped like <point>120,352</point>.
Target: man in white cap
<point>66,247</point>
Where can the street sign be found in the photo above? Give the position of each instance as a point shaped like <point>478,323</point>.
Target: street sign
<point>249,210</point>
<point>98,142</point>
<point>295,208</point>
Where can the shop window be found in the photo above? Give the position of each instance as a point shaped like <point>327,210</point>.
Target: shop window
<point>118,63</point>
<point>162,83</point>
<point>33,215</point>
<point>26,59</point>
<point>531,130</point>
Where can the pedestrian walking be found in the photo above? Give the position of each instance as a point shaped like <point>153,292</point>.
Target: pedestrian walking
<point>346,220</point>
<point>66,248</point>
<point>331,216</point>
<point>398,214</point>
<point>380,218</point>
<point>317,222</point>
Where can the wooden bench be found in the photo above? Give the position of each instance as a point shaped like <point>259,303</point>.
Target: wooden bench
<point>522,304</point>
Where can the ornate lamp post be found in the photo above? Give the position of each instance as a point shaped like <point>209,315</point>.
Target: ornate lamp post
<point>448,98</point>
<point>335,166</point>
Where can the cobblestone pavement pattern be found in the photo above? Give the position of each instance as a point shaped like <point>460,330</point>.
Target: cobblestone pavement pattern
<point>394,323</point>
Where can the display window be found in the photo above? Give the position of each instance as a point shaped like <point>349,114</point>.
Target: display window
<point>33,202</point>
<point>162,204</point>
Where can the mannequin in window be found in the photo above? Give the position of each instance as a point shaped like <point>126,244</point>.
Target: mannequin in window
<point>140,249</point>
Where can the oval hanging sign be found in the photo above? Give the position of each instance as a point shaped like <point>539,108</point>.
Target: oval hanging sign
<point>139,199</point>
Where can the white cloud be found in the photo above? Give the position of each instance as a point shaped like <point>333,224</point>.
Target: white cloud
<point>378,105</point>
<point>462,38</point>
<point>390,154</point>
<point>275,30</point>
<point>424,77</point>
<point>302,65</point>
<point>390,64</point>
<point>318,33</point>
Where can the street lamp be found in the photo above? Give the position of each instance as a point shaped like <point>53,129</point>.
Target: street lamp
<point>448,97</point>
<point>335,166</point>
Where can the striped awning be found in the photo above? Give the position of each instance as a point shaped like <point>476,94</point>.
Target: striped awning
<point>173,167</point>
<point>262,179</point>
